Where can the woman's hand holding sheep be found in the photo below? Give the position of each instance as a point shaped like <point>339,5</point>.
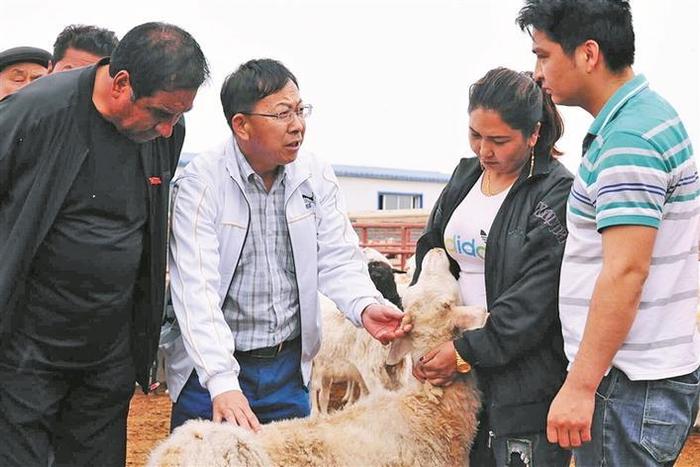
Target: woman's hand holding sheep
<point>384,322</point>
<point>438,367</point>
<point>233,407</point>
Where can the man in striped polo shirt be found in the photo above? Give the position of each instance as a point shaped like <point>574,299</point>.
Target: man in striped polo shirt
<point>629,280</point>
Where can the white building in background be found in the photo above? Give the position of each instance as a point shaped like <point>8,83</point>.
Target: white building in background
<point>376,188</point>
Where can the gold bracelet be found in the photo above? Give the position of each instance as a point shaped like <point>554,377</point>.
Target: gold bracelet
<point>462,365</point>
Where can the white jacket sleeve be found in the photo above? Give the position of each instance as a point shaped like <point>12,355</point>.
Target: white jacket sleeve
<point>342,272</point>
<point>195,278</point>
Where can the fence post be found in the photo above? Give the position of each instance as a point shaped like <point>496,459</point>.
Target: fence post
<point>363,236</point>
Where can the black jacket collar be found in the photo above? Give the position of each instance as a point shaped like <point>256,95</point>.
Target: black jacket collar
<point>86,84</point>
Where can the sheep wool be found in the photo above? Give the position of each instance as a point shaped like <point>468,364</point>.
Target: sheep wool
<point>418,425</point>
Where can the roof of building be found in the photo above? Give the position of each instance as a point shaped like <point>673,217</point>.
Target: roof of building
<point>359,171</point>
<point>384,173</point>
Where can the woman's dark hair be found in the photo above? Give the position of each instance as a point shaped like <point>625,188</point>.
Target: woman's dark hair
<point>570,23</point>
<point>251,82</point>
<point>521,103</point>
<point>159,57</point>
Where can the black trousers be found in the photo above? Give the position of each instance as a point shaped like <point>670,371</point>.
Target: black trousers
<point>56,416</point>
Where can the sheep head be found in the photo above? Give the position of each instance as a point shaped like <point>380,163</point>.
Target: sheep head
<point>436,282</point>
<point>370,254</point>
<point>431,306</point>
<point>382,275</point>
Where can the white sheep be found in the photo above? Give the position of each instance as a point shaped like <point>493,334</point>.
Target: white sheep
<point>420,425</point>
<point>350,355</point>
<point>404,280</point>
<point>371,254</point>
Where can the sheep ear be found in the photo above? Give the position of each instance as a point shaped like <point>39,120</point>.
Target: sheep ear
<point>465,318</point>
<point>399,349</point>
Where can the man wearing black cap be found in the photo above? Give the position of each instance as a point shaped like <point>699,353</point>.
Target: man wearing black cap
<point>20,66</point>
<point>86,158</point>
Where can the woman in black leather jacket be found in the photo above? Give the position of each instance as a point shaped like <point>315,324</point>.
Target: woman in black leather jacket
<point>511,197</point>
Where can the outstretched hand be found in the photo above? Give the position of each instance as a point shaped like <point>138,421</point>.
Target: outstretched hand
<point>384,323</point>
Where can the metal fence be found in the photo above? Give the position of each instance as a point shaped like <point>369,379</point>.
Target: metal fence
<point>396,241</point>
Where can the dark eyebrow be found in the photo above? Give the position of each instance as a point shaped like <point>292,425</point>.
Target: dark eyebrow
<point>489,137</point>
<point>162,112</point>
<point>17,72</point>
<point>167,112</point>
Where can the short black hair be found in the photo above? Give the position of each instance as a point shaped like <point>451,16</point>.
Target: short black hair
<point>520,102</point>
<point>572,22</point>
<point>251,82</point>
<point>159,57</point>
<point>91,39</point>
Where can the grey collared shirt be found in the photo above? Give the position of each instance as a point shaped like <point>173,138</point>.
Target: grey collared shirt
<point>262,304</point>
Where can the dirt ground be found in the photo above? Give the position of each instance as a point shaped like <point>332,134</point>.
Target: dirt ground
<point>148,423</point>
<point>149,418</point>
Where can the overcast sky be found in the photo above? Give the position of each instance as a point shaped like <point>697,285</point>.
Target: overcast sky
<point>388,79</point>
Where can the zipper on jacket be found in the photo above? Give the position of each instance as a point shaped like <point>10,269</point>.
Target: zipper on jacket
<point>247,229</point>
<point>497,225</point>
<point>492,435</point>
<point>291,247</point>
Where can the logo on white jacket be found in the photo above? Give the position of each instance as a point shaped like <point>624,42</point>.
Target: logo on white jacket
<point>309,200</point>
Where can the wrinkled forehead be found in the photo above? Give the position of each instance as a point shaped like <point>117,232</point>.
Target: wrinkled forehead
<point>23,68</point>
<point>173,102</point>
<point>288,96</point>
<point>75,58</point>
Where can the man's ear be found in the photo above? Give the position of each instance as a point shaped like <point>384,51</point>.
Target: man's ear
<point>589,53</point>
<point>239,126</point>
<point>121,83</point>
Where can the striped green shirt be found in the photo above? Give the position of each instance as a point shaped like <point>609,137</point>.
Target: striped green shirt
<point>638,170</point>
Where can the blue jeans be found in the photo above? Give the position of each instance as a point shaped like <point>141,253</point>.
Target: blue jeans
<point>273,387</point>
<point>640,423</point>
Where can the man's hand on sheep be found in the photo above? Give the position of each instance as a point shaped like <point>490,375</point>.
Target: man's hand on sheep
<point>384,322</point>
<point>233,407</point>
<point>439,366</point>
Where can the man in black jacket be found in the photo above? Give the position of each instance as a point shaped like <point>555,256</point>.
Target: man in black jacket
<point>86,157</point>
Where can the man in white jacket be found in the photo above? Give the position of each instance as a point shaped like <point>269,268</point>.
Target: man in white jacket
<point>258,228</point>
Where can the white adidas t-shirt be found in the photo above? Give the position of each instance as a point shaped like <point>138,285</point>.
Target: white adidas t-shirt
<point>465,240</point>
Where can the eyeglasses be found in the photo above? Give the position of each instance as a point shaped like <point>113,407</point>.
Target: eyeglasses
<point>302,112</point>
